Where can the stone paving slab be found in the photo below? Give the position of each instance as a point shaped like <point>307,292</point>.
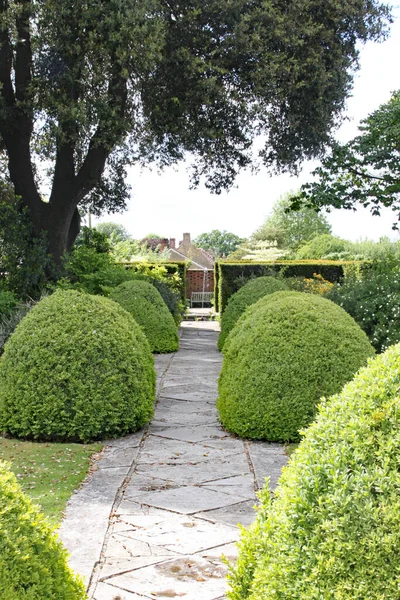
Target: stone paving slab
<point>155,518</point>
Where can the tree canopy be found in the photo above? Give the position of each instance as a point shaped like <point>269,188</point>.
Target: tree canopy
<point>220,243</point>
<point>366,170</point>
<point>290,229</point>
<point>114,231</point>
<point>89,87</point>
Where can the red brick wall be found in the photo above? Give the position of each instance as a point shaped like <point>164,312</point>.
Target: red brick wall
<point>195,280</point>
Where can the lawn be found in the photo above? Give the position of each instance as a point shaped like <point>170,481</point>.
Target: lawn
<point>48,472</point>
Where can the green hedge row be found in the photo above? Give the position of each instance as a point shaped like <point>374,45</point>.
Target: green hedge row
<point>229,277</point>
<point>179,267</point>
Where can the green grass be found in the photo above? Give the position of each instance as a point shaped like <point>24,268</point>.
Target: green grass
<point>48,472</point>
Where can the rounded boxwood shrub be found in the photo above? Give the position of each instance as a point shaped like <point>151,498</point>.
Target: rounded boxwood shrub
<point>332,530</point>
<point>247,295</point>
<point>145,304</point>
<point>286,351</point>
<point>77,368</point>
<point>33,564</point>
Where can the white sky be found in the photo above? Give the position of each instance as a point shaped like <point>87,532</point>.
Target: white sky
<point>164,204</point>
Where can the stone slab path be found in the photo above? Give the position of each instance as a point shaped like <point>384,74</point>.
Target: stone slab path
<point>163,505</point>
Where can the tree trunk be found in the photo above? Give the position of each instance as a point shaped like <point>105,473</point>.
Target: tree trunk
<point>61,223</point>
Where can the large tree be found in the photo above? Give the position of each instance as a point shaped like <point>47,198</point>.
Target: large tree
<point>290,229</point>
<point>366,170</point>
<point>91,85</point>
<point>220,243</point>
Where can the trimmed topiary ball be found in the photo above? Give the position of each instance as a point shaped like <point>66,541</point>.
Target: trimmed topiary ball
<point>77,368</point>
<point>247,295</point>
<point>332,530</point>
<point>33,564</point>
<point>286,351</point>
<point>145,304</point>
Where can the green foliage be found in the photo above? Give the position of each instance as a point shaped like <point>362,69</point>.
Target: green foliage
<point>230,276</point>
<point>247,295</point>
<point>292,228</point>
<point>33,564</point>
<point>219,243</point>
<point>93,272</point>
<point>8,302</point>
<point>330,247</point>
<point>93,239</point>
<point>325,246</point>
<point>372,298</point>
<point>10,319</point>
<point>76,368</point>
<point>172,273</point>
<point>286,351</point>
<point>333,529</point>
<point>23,257</point>
<point>113,231</point>
<point>145,304</point>
<point>366,170</point>
<point>137,251</point>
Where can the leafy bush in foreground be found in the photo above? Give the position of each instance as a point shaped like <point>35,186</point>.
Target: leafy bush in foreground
<point>247,295</point>
<point>286,351</point>
<point>77,367</point>
<point>144,303</point>
<point>332,531</point>
<point>33,564</point>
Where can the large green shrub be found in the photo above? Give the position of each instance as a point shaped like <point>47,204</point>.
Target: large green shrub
<point>33,564</point>
<point>286,351</point>
<point>252,291</point>
<point>145,304</point>
<point>332,531</point>
<point>76,368</point>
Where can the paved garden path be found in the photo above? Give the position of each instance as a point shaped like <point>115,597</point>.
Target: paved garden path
<point>163,505</point>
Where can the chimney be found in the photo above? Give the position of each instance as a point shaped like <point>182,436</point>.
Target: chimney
<point>186,238</point>
<point>172,243</point>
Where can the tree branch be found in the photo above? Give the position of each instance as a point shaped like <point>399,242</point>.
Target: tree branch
<point>106,136</point>
<point>366,175</point>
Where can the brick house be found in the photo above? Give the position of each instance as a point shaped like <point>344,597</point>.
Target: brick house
<point>200,272</point>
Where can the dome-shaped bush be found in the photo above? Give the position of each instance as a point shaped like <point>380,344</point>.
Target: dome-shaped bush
<point>144,303</point>
<point>333,529</point>
<point>76,368</point>
<point>286,351</point>
<point>33,564</point>
<point>247,295</point>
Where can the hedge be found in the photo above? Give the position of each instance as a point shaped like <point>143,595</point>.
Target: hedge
<point>179,267</point>
<point>247,295</point>
<point>229,277</point>
<point>76,368</point>
<point>144,303</point>
<point>332,531</point>
<point>285,352</point>
<point>33,564</point>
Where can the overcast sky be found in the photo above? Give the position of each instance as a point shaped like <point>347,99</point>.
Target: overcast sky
<point>163,203</point>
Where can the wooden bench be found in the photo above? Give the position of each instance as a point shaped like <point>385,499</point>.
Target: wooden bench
<point>201,298</point>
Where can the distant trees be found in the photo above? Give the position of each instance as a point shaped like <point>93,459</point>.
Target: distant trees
<point>219,243</point>
<point>291,228</point>
<point>114,231</point>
